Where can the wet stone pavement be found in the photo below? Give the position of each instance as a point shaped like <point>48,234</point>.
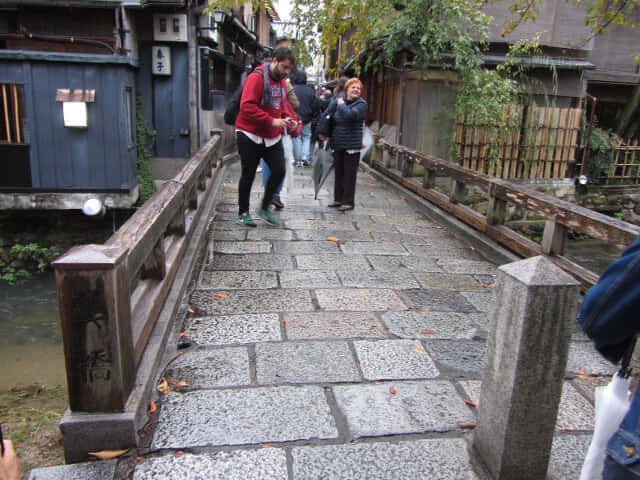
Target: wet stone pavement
<point>339,346</point>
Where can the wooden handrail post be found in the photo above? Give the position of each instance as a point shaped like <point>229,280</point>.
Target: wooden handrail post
<point>554,238</point>
<point>429,178</point>
<point>386,157</point>
<point>527,351</point>
<point>496,210</point>
<point>406,165</point>
<point>458,191</point>
<point>92,283</point>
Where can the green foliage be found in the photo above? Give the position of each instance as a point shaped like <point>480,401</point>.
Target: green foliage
<point>601,144</point>
<point>144,141</point>
<point>26,259</point>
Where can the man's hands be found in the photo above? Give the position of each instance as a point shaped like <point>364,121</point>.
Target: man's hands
<point>9,463</point>
<point>284,123</point>
<point>340,101</point>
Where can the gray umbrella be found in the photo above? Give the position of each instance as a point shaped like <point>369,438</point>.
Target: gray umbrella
<point>322,164</point>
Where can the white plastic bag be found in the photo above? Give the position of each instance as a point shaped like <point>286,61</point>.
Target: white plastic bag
<point>287,145</point>
<point>612,404</point>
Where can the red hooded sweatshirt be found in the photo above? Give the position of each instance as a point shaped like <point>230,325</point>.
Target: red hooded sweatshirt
<point>252,117</point>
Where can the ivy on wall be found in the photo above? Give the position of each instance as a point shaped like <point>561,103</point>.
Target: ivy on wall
<point>145,138</point>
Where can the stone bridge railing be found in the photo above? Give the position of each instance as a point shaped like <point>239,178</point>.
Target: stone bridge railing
<point>397,162</point>
<point>110,297</point>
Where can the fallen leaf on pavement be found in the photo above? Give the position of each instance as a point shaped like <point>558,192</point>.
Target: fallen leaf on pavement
<point>469,402</point>
<point>428,332</point>
<point>333,239</point>
<point>466,424</point>
<point>108,454</point>
<point>179,452</point>
<point>266,445</point>
<point>417,349</point>
<point>218,295</point>
<point>181,383</point>
<point>163,386</point>
<point>392,391</point>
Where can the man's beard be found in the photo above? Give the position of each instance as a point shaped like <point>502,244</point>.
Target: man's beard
<point>276,74</point>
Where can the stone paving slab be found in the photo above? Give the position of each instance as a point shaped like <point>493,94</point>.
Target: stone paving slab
<point>373,248</point>
<point>229,235</point>
<point>269,234</point>
<point>575,413</point>
<point>432,325</point>
<point>584,359</point>
<point>394,359</point>
<point>322,225</point>
<point>305,362</point>
<point>376,229</point>
<point>262,464</point>
<point>458,358</point>
<point>309,279</point>
<point>250,301</point>
<point>234,329</point>
<point>450,281</point>
<point>373,410</point>
<point>400,238</point>
<point>441,251</point>
<point>428,231</point>
<point>376,279</point>
<point>484,302</point>
<point>441,459</point>
<point>103,470</point>
<point>438,300</point>
<point>303,247</point>
<point>210,368</point>
<point>403,264</point>
<point>230,279</point>
<point>247,416</point>
<point>251,262</point>
<point>567,456</point>
<point>451,265</point>
<point>341,235</point>
<point>338,325</point>
<point>331,262</point>
<point>360,300</point>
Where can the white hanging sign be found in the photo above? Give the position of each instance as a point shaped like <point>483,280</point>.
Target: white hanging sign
<point>161,60</point>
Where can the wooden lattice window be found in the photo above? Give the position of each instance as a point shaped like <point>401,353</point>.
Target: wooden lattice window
<point>12,113</point>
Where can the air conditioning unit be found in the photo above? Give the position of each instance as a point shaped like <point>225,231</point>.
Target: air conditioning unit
<point>170,28</point>
<point>207,28</point>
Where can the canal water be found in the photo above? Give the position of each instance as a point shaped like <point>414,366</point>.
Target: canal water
<point>30,337</point>
<point>31,340</point>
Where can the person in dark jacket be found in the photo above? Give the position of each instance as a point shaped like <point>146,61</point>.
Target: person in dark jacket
<point>348,113</point>
<point>609,315</point>
<point>308,109</point>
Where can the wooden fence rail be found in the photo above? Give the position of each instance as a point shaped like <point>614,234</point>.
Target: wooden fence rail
<point>397,161</point>
<point>110,295</point>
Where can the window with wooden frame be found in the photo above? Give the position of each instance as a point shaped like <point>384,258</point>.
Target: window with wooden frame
<point>12,113</point>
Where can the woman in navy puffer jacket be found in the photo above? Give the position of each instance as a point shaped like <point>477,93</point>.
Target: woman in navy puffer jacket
<point>349,112</point>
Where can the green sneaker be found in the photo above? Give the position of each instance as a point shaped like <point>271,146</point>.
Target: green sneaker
<point>246,220</point>
<point>268,217</point>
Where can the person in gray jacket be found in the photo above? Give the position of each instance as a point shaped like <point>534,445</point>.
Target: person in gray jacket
<point>348,113</point>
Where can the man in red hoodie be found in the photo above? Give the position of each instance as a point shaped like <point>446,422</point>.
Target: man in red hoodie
<point>259,128</point>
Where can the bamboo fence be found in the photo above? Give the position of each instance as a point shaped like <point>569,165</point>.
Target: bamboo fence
<point>533,143</point>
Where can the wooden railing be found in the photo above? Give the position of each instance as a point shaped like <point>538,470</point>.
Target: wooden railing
<point>397,161</point>
<point>110,295</point>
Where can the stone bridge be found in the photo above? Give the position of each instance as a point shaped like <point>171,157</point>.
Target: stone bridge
<point>335,346</point>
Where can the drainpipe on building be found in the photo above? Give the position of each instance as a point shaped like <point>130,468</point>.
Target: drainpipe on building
<point>194,80</point>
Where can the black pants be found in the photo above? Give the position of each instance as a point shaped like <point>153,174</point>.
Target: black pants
<point>250,155</point>
<point>346,169</point>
